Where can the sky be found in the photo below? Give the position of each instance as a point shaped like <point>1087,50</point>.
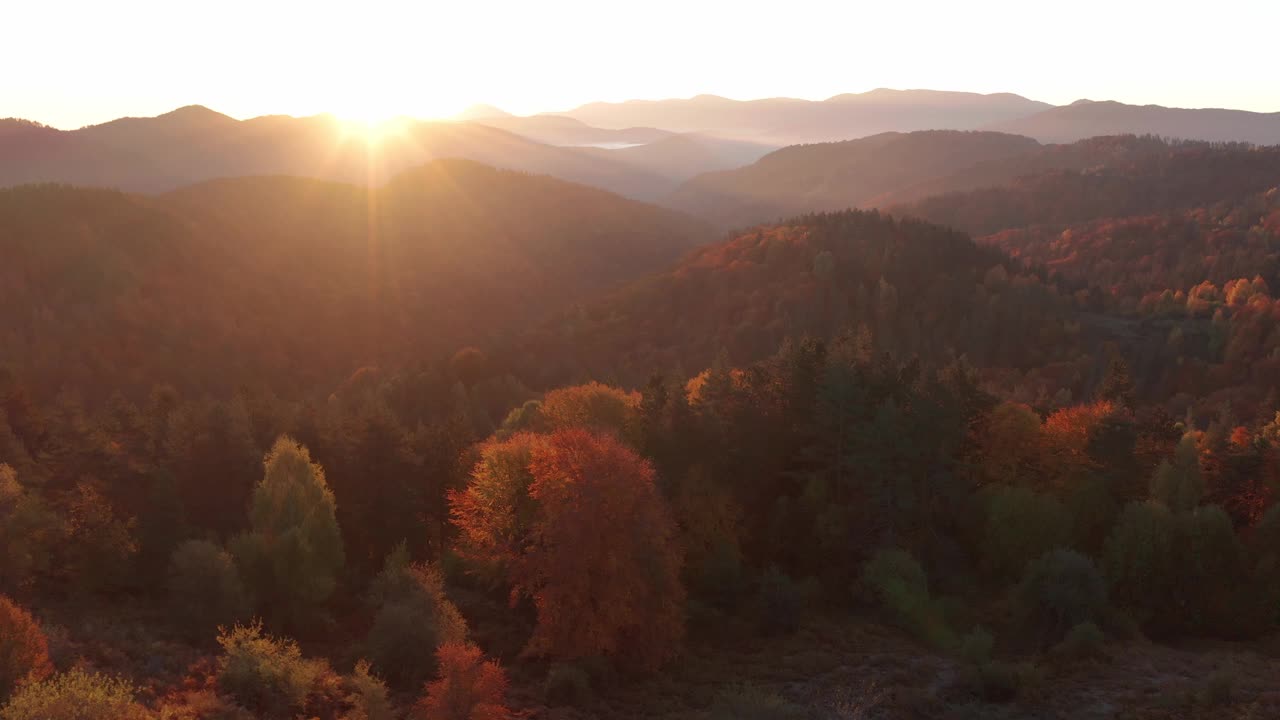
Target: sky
<point>77,62</point>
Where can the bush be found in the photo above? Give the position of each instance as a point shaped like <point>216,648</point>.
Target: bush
<point>567,684</point>
<point>74,696</point>
<point>1083,642</point>
<point>781,602</point>
<point>1021,525</point>
<point>24,651</point>
<point>1060,590</point>
<point>413,618</point>
<point>977,646</point>
<point>204,587</point>
<point>264,674</point>
<point>1219,687</point>
<point>901,586</point>
<point>751,703</point>
<point>999,681</point>
<point>469,688</point>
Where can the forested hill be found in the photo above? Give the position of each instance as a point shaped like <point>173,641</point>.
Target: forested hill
<point>289,282</point>
<point>839,175</point>
<point>1095,178</point>
<point>917,288</point>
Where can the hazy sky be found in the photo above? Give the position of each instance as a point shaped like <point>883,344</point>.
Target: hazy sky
<point>76,62</point>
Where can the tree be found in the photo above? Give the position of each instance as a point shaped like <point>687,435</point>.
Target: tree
<point>99,547</point>
<point>265,674</point>
<point>293,553</point>
<point>412,617</point>
<point>469,688</point>
<point>28,530</point>
<point>1179,485</point>
<point>205,589</point>
<point>1117,385</point>
<point>24,652</point>
<point>1009,444</point>
<point>575,522</point>
<point>75,695</point>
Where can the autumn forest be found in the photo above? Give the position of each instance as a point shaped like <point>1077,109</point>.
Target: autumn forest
<point>904,423</point>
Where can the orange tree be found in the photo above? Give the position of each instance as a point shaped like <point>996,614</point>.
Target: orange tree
<point>574,521</point>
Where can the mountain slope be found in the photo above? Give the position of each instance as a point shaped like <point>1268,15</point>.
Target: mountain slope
<point>1096,178</point>
<point>292,281</point>
<point>787,121</point>
<point>1085,118</point>
<point>835,176</point>
<point>917,289</point>
<point>194,144</point>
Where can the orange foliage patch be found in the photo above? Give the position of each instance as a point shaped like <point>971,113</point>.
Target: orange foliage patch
<point>24,652</point>
<point>469,688</point>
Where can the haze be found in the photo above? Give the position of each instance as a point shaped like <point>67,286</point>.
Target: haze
<point>76,63</point>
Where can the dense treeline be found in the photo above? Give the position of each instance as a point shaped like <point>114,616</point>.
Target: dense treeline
<point>615,523</point>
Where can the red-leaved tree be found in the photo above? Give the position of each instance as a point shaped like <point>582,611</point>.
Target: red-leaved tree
<point>575,522</point>
<point>24,652</point>
<point>469,688</point>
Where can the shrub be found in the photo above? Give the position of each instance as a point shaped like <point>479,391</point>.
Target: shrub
<point>204,587</point>
<point>902,588</point>
<point>748,702</point>
<point>1083,642</point>
<point>74,696</point>
<point>413,618</point>
<point>999,681</point>
<point>567,684</point>
<point>264,674</point>
<point>781,602</point>
<point>24,651</point>
<point>895,568</point>
<point>1060,590</point>
<point>469,688</point>
<point>977,646</point>
<point>1021,525</point>
<point>1219,687</point>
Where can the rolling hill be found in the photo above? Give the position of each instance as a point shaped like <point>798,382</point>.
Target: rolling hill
<point>1096,178</point>
<point>1086,118</point>
<point>917,288</point>
<point>835,176</point>
<point>289,280</point>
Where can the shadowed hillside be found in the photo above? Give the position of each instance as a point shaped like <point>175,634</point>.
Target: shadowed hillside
<point>275,277</point>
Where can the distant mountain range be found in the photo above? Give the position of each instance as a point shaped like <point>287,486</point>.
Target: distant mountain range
<point>644,149</point>
<point>980,182</point>
<point>194,144</point>
<point>785,121</point>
